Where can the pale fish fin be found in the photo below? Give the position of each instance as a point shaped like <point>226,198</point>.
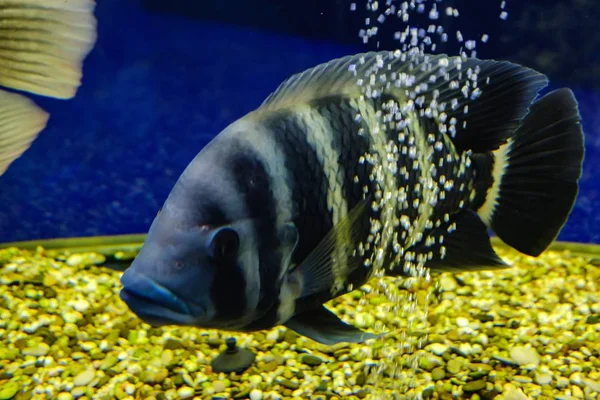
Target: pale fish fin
<point>323,326</point>
<point>43,44</point>
<point>20,123</point>
<point>328,265</point>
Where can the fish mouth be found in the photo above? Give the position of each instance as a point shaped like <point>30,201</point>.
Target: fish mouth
<point>152,302</point>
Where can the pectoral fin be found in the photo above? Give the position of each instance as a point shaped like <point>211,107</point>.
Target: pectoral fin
<point>330,263</point>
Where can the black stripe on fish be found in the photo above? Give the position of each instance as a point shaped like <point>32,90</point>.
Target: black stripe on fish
<point>351,140</point>
<point>348,143</point>
<point>309,181</point>
<point>253,184</point>
<point>228,292</point>
<point>212,214</point>
<point>309,184</point>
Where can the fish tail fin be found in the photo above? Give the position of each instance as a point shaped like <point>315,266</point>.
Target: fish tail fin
<point>44,44</point>
<point>535,175</point>
<point>20,123</point>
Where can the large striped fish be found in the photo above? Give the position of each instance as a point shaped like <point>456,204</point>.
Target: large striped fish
<point>373,162</point>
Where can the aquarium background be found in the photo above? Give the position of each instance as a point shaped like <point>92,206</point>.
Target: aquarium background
<point>166,77</point>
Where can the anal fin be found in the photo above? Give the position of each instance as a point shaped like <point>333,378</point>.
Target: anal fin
<point>323,326</point>
<point>466,247</point>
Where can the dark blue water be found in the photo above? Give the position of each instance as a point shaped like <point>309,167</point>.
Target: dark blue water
<point>156,89</point>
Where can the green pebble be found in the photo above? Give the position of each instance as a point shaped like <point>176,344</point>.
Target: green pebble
<point>438,374</point>
<point>9,354</point>
<point>428,363</point>
<point>23,395</point>
<point>96,354</point>
<point>139,353</point>
<point>243,394</point>
<point>29,370</point>
<point>119,393</point>
<point>311,360</point>
<point>172,344</point>
<point>109,362</point>
<point>479,370</point>
<point>287,383</point>
<point>483,317</point>
<point>592,319</point>
<point>103,381</point>
<point>454,366</point>
<point>341,352</point>
<point>361,379</point>
<point>378,300</point>
<point>322,387</point>
<point>8,390</point>
<point>474,386</point>
<point>428,393</point>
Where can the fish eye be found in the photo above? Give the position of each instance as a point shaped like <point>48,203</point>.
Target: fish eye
<point>224,245</point>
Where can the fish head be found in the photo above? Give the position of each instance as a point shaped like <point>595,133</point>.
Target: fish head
<point>197,277</point>
<point>199,264</point>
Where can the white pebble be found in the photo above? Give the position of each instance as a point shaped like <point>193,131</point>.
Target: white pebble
<point>543,379</point>
<point>576,378</point>
<point>273,335</point>
<point>85,377</point>
<point>256,394</point>
<point>562,382</point>
<point>438,348</point>
<point>515,394</point>
<point>273,395</point>
<point>40,350</point>
<point>129,388</point>
<point>593,385</point>
<point>525,355</point>
<point>185,392</point>
<point>81,305</point>
<point>462,322</point>
<point>447,283</point>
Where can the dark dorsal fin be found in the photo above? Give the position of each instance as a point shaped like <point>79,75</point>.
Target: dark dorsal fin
<point>498,98</point>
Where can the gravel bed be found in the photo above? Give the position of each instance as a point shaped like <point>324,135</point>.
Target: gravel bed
<point>528,332</point>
